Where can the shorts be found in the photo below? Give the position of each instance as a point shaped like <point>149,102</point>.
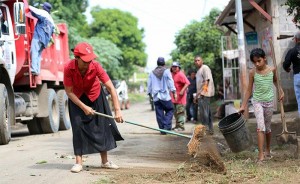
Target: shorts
<point>263,112</point>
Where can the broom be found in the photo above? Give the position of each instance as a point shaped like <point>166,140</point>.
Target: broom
<point>198,133</point>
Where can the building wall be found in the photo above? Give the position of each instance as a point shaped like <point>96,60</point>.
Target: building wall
<point>284,25</point>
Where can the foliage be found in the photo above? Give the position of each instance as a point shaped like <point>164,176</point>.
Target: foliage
<point>70,10</point>
<point>122,29</point>
<point>200,38</point>
<point>137,97</point>
<point>109,55</point>
<point>294,9</point>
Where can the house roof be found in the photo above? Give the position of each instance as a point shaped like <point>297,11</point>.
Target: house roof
<point>227,17</point>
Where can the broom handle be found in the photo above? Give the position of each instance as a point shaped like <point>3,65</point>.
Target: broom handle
<point>278,86</point>
<point>157,129</point>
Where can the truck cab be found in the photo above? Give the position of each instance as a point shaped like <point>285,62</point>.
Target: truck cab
<point>40,101</point>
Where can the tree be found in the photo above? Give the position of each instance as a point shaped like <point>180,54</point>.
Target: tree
<point>70,10</point>
<point>121,28</point>
<point>109,56</point>
<point>200,38</point>
<point>294,9</point>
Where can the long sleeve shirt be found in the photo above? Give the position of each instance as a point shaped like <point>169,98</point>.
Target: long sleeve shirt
<point>292,57</point>
<point>160,87</point>
<point>44,27</point>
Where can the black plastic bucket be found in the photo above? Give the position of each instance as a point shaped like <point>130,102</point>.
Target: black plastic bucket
<point>235,132</point>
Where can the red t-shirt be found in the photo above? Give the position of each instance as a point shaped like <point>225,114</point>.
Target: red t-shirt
<point>89,84</point>
<point>179,80</point>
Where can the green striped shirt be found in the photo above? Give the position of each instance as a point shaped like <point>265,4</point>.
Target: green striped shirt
<point>263,91</point>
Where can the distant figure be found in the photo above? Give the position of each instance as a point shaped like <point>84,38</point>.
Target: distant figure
<point>142,88</point>
<point>261,77</point>
<point>123,95</point>
<point>160,83</point>
<point>220,101</point>
<point>293,58</point>
<point>181,85</point>
<point>191,107</point>
<point>205,90</point>
<point>43,31</point>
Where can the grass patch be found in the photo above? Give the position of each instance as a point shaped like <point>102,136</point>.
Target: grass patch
<point>137,97</point>
<point>142,76</point>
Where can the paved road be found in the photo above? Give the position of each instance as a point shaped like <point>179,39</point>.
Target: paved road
<point>30,159</point>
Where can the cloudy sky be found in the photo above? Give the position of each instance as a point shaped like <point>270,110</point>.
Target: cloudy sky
<point>161,19</point>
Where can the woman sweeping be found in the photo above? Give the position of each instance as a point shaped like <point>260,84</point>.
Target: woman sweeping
<point>91,134</point>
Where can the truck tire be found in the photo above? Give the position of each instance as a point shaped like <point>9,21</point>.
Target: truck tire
<point>34,127</point>
<point>5,129</point>
<point>50,124</point>
<point>64,118</point>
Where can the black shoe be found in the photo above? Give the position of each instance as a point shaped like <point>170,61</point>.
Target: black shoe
<point>174,128</point>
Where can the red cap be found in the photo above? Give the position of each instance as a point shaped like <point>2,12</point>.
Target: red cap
<point>84,51</point>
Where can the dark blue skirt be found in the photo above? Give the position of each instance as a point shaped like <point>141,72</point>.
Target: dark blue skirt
<point>93,134</point>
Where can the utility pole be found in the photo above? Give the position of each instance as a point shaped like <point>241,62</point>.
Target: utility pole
<point>241,48</point>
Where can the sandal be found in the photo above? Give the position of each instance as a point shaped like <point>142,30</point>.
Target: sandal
<point>268,156</point>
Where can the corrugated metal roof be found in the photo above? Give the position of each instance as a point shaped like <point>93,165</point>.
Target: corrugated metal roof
<point>228,14</point>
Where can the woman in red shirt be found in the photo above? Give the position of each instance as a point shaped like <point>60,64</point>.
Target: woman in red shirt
<point>82,81</point>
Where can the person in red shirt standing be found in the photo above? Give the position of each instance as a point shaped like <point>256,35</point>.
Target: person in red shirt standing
<point>181,84</point>
<point>82,81</point>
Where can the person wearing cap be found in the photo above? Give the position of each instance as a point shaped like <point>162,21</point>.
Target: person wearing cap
<point>43,31</point>
<point>83,77</point>
<point>159,84</point>
<point>205,90</point>
<point>181,84</point>
<point>293,58</point>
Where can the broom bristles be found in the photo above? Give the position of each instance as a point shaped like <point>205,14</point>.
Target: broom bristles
<point>198,133</point>
<point>204,150</point>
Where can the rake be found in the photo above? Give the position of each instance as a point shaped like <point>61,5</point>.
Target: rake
<point>285,136</point>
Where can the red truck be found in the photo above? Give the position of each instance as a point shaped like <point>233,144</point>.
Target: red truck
<point>38,101</point>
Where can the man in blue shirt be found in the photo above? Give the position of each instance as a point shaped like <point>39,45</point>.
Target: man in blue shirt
<point>42,35</point>
<point>160,83</point>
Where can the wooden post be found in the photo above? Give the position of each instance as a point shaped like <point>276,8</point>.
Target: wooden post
<point>241,47</point>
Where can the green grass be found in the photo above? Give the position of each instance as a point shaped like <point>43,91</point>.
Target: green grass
<point>137,97</point>
<point>141,75</point>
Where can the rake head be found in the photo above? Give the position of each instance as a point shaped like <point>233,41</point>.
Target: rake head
<point>286,138</point>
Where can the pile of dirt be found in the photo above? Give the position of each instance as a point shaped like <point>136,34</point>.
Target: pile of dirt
<point>206,158</point>
<point>204,152</point>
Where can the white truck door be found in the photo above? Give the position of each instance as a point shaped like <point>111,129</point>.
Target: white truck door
<point>7,43</point>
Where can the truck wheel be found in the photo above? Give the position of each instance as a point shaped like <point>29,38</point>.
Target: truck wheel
<point>50,124</point>
<point>34,127</point>
<point>64,118</point>
<point>5,129</point>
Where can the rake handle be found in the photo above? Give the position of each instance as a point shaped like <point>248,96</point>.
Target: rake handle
<point>157,129</point>
<point>278,87</point>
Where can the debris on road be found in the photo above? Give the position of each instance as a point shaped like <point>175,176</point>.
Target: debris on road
<point>41,162</point>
